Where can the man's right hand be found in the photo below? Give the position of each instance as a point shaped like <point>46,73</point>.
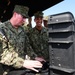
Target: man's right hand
<point>32,64</point>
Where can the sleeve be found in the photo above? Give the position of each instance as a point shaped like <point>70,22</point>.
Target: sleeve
<point>7,54</point>
<point>11,58</point>
<point>28,48</point>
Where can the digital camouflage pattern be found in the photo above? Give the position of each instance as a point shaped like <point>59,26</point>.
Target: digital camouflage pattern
<point>45,18</point>
<point>38,14</point>
<point>27,29</point>
<point>14,46</point>
<point>23,10</point>
<point>39,42</point>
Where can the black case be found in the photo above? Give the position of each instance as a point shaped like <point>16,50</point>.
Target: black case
<point>62,44</point>
<point>61,18</point>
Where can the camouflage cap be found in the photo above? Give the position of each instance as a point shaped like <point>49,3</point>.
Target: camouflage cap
<point>23,10</point>
<point>38,14</point>
<point>45,18</point>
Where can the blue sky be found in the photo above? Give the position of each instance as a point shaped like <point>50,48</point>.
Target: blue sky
<point>64,6</point>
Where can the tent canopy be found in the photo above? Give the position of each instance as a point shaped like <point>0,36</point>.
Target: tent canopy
<point>7,6</point>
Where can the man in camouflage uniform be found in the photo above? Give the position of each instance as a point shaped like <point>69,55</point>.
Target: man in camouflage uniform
<point>28,26</point>
<point>14,44</point>
<point>39,39</point>
<point>29,22</point>
<point>45,21</point>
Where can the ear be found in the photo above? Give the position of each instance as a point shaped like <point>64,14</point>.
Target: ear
<point>14,13</point>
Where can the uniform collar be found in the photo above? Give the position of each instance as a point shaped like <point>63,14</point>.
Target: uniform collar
<point>16,30</point>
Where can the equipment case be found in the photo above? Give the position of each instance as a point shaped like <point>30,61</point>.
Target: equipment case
<point>62,44</point>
